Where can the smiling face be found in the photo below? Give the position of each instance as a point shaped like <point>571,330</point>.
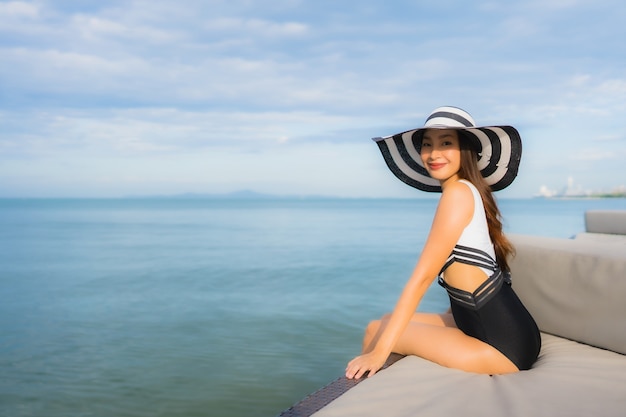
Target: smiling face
<point>441,154</point>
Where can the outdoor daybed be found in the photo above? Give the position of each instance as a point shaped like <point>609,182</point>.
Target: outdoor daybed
<point>576,290</point>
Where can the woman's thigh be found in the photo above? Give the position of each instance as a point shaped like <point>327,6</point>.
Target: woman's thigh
<point>434,319</point>
<point>376,327</point>
<point>450,347</point>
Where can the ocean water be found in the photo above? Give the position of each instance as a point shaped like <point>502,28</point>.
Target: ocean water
<point>206,307</point>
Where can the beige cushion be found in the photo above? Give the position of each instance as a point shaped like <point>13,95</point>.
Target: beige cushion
<point>573,288</point>
<point>602,238</point>
<point>569,379</point>
<point>606,221</point>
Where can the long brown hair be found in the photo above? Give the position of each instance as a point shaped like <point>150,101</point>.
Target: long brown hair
<point>470,172</point>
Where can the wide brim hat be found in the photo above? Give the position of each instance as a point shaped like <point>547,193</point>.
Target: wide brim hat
<point>499,150</point>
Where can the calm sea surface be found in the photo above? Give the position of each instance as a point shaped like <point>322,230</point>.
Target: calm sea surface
<point>206,307</point>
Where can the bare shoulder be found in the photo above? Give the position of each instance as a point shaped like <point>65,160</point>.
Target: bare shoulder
<point>458,194</point>
<point>454,213</point>
<point>456,204</point>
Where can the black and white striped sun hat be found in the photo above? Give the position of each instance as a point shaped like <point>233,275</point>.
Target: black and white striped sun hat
<point>499,150</point>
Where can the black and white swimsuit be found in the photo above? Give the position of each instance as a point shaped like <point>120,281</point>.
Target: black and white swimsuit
<point>492,313</point>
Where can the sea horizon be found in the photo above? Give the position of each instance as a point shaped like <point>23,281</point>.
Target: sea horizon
<point>254,195</point>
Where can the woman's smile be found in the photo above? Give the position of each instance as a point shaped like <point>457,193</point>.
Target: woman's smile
<point>434,166</point>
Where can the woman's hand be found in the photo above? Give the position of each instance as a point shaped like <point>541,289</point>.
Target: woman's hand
<point>371,362</point>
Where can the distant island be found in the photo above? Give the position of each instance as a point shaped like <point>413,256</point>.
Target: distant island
<point>590,195</point>
<point>576,192</point>
<point>235,195</point>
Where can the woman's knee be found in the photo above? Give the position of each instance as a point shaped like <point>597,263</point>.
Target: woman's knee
<point>372,328</point>
<point>371,332</point>
<point>385,317</point>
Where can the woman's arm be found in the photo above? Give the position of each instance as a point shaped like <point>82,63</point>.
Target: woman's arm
<point>454,212</point>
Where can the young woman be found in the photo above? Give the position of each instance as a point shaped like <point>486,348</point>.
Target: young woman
<point>488,330</point>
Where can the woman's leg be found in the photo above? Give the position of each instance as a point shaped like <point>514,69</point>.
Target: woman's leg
<point>439,340</point>
<point>375,328</point>
<point>452,348</point>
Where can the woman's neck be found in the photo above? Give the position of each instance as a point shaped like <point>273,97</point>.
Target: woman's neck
<point>450,180</point>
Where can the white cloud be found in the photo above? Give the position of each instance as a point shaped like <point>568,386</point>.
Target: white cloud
<point>18,9</point>
<point>555,5</point>
<point>255,27</point>
<point>90,28</point>
<point>609,138</point>
<point>90,24</point>
<point>159,130</point>
<point>613,87</point>
<point>594,155</point>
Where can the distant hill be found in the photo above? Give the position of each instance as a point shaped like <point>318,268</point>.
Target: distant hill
<point>236,195</point>
<point>243,195</point>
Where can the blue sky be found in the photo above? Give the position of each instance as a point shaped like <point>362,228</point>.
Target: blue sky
<point>113,98</point>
